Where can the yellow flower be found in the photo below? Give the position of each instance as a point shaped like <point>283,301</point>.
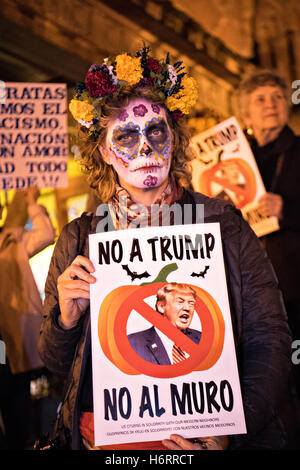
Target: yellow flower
<point>81,110</point>
<point>188,96</point>
<point>129,69</point>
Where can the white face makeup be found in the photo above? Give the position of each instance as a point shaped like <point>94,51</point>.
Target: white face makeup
<point>139,144</point>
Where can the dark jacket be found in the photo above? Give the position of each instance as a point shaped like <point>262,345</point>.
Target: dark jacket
<point>283,246</point>
<point>149,346</point>
<point>259,322</point>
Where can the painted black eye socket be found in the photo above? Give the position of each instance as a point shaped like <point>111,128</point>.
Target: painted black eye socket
<point>126,138</point>
<point>157,133</point>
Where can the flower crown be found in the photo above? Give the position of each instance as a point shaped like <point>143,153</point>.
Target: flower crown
<point>175,87</point>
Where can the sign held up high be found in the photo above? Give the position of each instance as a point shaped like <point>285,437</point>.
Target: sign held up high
<point>225,168</point>
<point>33,135</point>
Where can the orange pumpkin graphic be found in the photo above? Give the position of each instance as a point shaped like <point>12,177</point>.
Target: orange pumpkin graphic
<point>116,309</point>
<point>113,315</point>
<point>233,177</point>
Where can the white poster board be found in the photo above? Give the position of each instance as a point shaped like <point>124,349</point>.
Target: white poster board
<point>226,168</point>
<point>33,135</point>
<point>138,400</point>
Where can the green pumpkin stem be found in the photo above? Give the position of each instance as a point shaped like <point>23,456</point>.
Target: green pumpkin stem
<point>163,274</point>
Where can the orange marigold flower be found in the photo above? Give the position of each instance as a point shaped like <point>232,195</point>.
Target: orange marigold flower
<point>129,69</point>
<point>81,110</point>
<point>185,98</point>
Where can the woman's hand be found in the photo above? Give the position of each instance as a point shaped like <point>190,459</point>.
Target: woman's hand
<point>74,290</point>
<point>177,442</point>
<point>32,194</point>
<point>270,205</point>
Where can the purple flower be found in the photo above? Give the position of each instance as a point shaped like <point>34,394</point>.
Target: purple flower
<point>95,67</point>
<point>123,115</point>
<point>150,181</point>
<point>155,108</point>
<point>140,110</point>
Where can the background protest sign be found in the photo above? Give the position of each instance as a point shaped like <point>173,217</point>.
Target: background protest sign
<point>139,400</point>
<point>33,135</point>
<point>225,168</point>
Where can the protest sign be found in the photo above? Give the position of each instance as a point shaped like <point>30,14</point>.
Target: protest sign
<point>225,168</point>
<point>33,135</point>
<point>140,393</point>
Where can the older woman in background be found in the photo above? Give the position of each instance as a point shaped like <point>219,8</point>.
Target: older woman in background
<point>265,101</point>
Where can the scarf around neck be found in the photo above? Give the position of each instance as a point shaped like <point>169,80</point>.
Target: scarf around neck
<point>126,213</point>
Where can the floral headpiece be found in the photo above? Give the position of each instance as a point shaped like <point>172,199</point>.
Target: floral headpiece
<point>175,87</point>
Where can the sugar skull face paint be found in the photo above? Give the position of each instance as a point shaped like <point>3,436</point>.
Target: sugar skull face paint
<point>139,144</point>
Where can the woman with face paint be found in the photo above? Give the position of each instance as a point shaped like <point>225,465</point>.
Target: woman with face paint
<point>135,148</point>
<point>139,147</point>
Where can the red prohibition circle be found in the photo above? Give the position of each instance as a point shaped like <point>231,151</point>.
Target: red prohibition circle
<point>199,351</point>
<point>245,195</point>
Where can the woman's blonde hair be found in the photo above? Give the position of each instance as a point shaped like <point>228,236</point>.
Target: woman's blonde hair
<point>102,177</point>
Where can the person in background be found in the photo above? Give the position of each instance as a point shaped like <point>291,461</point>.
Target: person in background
<point>134,145</point>
<point>265,101</point>
<point>20,319</point>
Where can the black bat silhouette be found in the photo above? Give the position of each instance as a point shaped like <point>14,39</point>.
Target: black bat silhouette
<point>133,274</point>
<point>202,273</point>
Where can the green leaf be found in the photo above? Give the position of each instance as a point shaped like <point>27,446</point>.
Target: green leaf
<point>163,274</point>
